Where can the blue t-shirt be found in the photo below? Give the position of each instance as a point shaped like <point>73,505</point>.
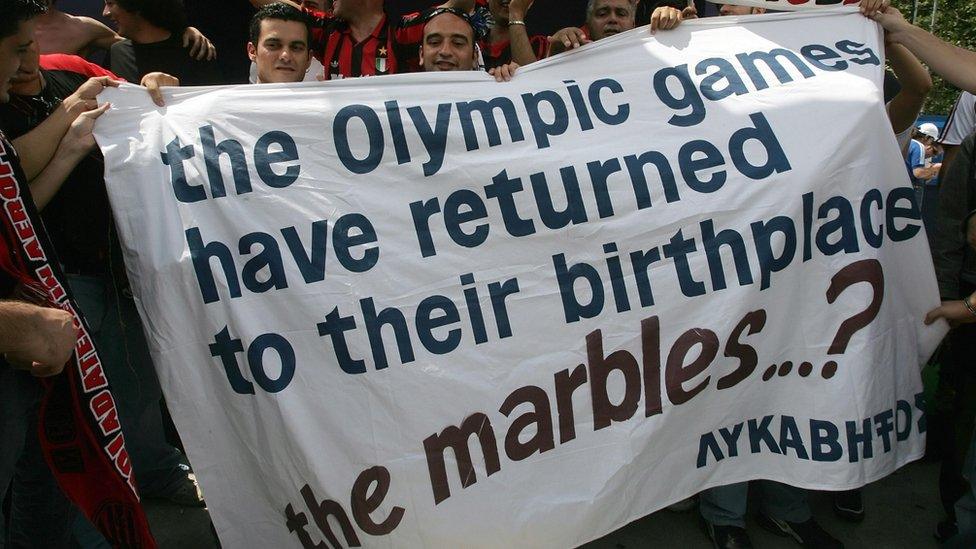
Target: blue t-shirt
<point>915,159</point>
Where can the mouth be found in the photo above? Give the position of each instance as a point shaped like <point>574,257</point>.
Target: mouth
<point>445,65</point>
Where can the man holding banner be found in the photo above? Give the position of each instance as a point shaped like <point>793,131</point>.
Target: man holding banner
<point>315,273</point>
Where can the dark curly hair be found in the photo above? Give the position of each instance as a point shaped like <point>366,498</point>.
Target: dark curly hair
<point>165,14</point>
<point>16,12</point>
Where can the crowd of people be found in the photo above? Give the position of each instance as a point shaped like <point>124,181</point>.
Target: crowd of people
<point>48,106</point>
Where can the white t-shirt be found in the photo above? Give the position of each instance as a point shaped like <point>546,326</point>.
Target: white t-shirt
<point>961,122</point>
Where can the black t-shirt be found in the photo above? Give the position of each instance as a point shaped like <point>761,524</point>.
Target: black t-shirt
<point>133,61</point>
<point>78,218</point>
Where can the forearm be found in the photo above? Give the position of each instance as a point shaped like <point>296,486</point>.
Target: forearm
<point>956,65</point>
<point>49,181</point>
<point>37,146</point>
<point>915,85</point>
<point>521,45</point>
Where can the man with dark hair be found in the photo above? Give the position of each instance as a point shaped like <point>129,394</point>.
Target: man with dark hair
<point>279,44</point>
<point>153,31</point>
<point>358,39</point>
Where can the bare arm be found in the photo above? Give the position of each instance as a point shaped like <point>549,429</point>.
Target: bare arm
<point>925,174</point>
<point>955,64</point>
<point>101,37</point>
<point>37,146</point>
<point>915,86</point>
<point>77,142</point>
<point>518,36</point>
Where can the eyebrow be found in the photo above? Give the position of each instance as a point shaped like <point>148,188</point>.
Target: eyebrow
<point>26,44</point>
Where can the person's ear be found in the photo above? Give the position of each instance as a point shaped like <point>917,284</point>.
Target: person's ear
<point>252,51</point>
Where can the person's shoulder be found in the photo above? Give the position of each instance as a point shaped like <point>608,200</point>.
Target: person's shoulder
<point>88,23</point>
<point>122,45</point>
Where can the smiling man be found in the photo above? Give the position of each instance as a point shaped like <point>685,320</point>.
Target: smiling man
<point>449,45</point>
<point>279,44</point>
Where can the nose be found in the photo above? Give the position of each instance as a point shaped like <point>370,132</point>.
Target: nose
<point>105,12</point>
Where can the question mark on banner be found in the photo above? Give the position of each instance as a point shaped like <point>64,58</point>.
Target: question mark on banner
<point>867,270</point>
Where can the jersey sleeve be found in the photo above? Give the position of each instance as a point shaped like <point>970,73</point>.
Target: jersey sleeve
<point>961,122</point>
<point>73,63</point>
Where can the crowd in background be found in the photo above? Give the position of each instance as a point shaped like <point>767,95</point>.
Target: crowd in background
<point>55,60</point>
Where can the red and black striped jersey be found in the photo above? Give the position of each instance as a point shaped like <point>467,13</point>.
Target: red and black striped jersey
<point>500,53</point>
<point>392,47</point>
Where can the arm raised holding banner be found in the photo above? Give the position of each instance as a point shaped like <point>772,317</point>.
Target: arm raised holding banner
<point>955,64</point>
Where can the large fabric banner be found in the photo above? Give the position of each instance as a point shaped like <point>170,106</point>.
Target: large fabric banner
<point>433,310</point>
<point>789,5</point>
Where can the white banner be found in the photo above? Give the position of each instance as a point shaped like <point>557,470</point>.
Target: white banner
<point>439,311</point>
<point>789,5</point>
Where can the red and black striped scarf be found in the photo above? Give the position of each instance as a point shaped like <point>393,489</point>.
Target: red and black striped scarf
<point>79,426</point>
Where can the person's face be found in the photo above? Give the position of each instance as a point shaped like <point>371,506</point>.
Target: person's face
<point>448,44</point>
<point>610,17</point>
<point>13,50</point>
<point>27,81</point>
<point>124,20</point>
<point>281,53</point>
<point>729,9</point>
<point>499,9</point>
